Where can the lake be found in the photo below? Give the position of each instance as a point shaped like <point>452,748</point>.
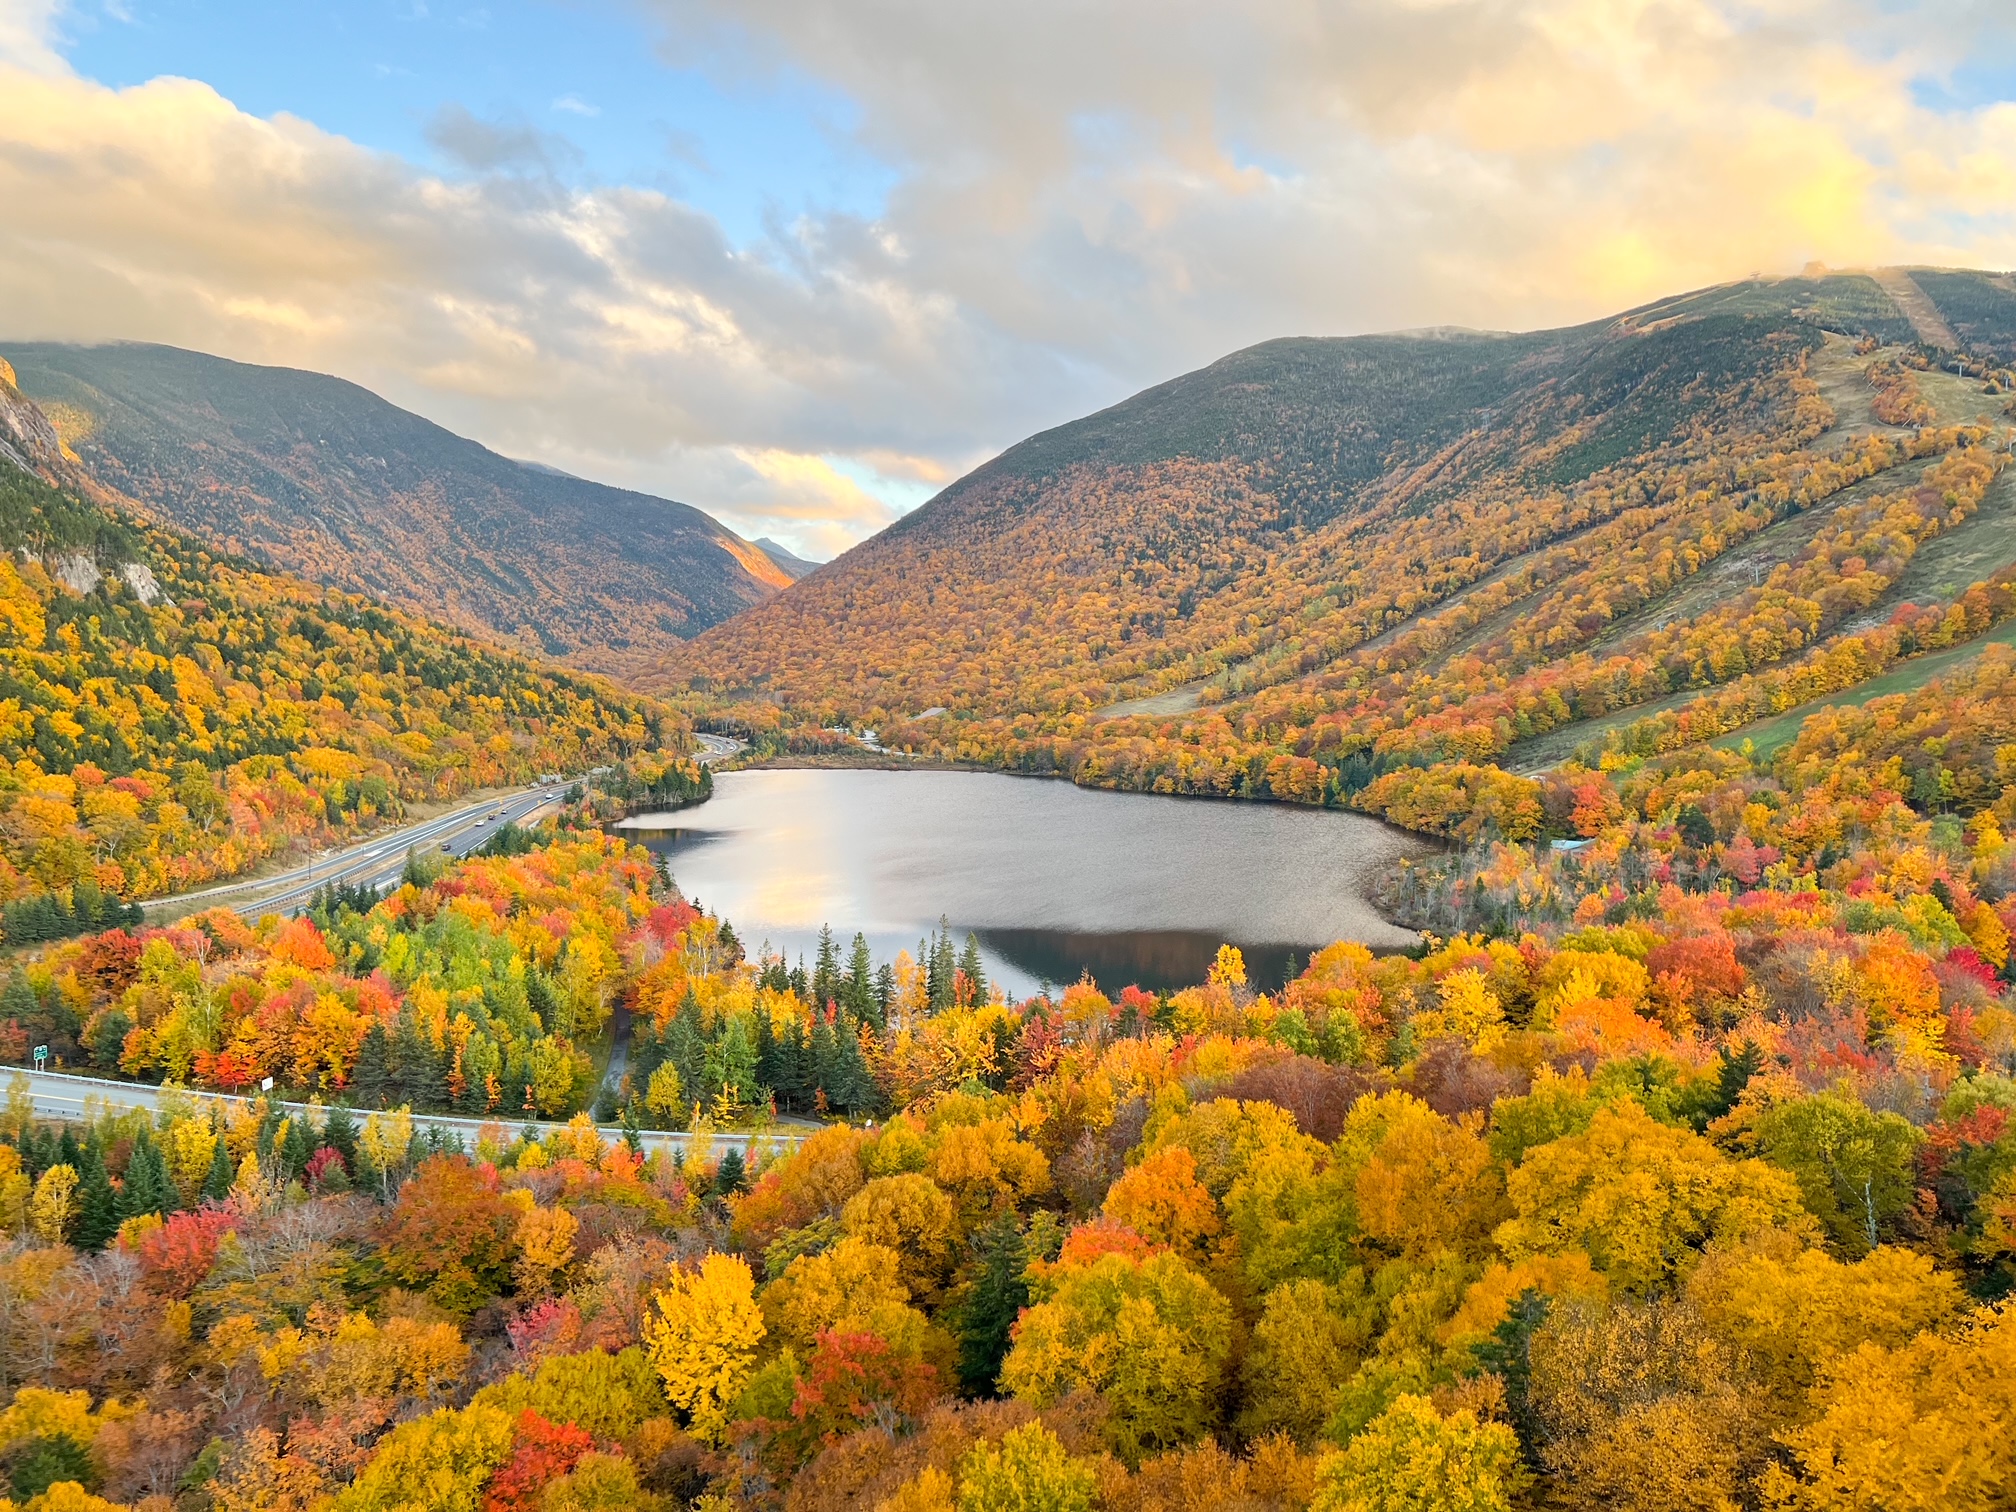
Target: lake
<point>1055,880</point>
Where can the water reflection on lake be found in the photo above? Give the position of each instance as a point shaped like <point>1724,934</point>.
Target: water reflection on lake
<point>1055,880</point>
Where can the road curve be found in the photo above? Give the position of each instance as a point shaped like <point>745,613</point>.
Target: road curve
<point>60,1095</point>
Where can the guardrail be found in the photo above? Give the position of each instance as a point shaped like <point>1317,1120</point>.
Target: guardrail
<point>147,1095</point>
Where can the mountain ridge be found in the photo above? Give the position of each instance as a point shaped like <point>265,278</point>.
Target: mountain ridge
<point>1250,562</point>
<point>319,476</point>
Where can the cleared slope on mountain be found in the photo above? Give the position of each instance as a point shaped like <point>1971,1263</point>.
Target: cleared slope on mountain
<point>322,478</point>
<point>1302,493</point>
<point>170,715</point>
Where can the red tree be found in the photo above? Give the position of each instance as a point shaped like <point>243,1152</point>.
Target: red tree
<point>178,1255</point>
<point>855,1380</point>
<point>541,1452</point>
<point>451,1232</point>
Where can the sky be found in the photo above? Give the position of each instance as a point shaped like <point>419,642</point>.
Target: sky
<point>803,262</point>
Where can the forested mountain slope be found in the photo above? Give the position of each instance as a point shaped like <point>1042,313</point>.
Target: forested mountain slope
<point>321,478</point>
<point>1412,547</point>
<point>170,715</point>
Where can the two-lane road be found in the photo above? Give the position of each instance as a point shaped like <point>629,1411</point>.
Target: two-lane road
<point>375,861</point>
<point>59,1095</point>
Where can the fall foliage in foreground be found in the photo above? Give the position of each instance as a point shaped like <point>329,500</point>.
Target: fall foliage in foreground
<point>1684,1178</point>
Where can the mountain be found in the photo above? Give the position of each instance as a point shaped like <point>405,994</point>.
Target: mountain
<point>318,477</point>
<point>793,567</point>
<point>1298,534</point>
<point>173,715</point>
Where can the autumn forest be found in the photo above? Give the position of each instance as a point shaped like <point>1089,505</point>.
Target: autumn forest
<point>1673,1167</point>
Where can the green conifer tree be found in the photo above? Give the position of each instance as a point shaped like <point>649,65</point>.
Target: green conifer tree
<point>371,1078</point>
<point>146,1188</point>
<point>971,969</point>
<point>339,1133</point>
<point>826,969</point>
<point>944,963</point>
<point>97,1203</point>
<point>996,1292</point>
<point>857,987</point>
<point>217,1184</point>
<point>297,1149</point>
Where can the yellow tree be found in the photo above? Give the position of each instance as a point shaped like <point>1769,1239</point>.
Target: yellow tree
<point>702,1335</point>
<point>54,1204</point>
<point>1028,1471</point>
<point>1639,1198</point>
<point>545,1247</point>
<point>1412,1459</point>
<point>1923,1428</point>
<point>1151,1337</point>
<point>438,1463</point>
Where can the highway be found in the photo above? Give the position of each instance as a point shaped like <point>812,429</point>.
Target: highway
<point>377,861</point>
<point>59,1095</point>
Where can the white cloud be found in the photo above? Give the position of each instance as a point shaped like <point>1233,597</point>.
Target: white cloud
<point>1088,199</point>
<point>573,106</point>
<point>28,36</point>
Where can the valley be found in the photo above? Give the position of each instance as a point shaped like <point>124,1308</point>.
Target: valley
<point>1572,1063</point>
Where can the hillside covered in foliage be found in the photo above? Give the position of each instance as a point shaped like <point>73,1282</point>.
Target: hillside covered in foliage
<point>170,715</point>
<point>321,479</point>
<point>1316,561</point>
<point>1685,1178</point>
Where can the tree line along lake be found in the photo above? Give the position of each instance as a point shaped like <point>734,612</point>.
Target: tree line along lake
<point>1054,880</point>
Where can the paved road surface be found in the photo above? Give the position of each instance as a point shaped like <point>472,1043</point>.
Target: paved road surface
<point>60,1095</point>
<point>717,747</point>
<point>376,861</point>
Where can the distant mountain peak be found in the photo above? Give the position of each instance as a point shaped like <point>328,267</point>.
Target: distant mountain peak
<point>791,565</point>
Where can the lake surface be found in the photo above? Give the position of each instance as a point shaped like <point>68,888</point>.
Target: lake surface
<point>1055,880</point>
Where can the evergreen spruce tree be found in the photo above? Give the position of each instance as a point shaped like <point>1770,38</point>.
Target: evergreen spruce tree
<point>800,983</point>
<point>416,1071</point>
<point>995,1295</point>
<point>820,1066</point>
<point>97,1204</point>
<point>38,1150</point>
<point>857,987</point>
<point>1509,1354</point>
<point>773,975</point>
<point>1734,1074</point>
<point>371,1077</point>
<point>826,969</point>
<point>647,1052</point>
<point>785,1075</point>
<point>729,1178</point>
<point>297,1149</point>
<point>68,1152</point>
<point>339,1133</point>
<point>969,966</point>
<point>146,1186</point>
<point>19,1001</point>
<point>544,1001</point>
<point>108,1040</point>
<point>885,993</point>
<point>686,1045</point>
<point>852,1089</point>
<point>943,965</point>
<point>514,1093</point>
<point>766,1051</point>
<point>217,1184</point>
